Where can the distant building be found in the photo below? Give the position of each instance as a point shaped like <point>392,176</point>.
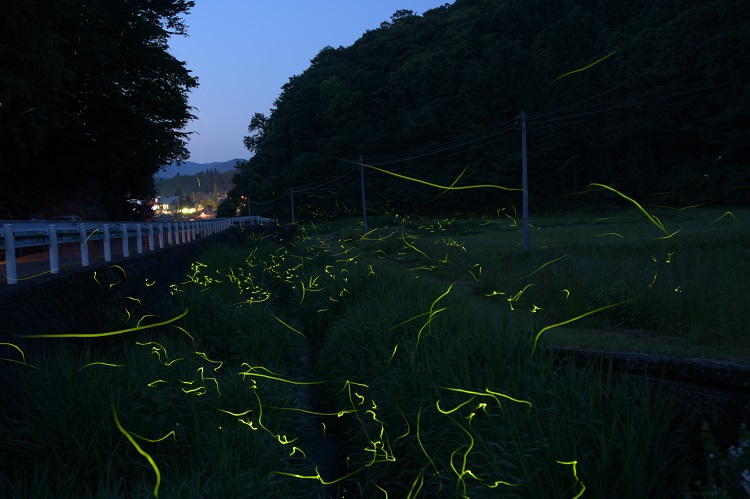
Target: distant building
<point>167,205</point>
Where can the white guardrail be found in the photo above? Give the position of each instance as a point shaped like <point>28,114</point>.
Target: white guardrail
<point>18,234</point>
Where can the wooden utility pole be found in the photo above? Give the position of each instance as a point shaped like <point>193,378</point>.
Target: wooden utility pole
<point>291,193</point>
<point>525,184</point>
<point>362,178</point>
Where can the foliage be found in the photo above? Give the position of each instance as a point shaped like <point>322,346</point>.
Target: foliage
<point>92,104</point>
<point>401,359</point>
<point>206,187</point>
<point>662,107</point>
<point>728,474</point>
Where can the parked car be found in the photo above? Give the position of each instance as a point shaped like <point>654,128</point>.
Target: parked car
<point>165,217</point>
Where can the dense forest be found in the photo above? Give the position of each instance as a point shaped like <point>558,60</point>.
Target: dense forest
<point>651,98</point>
<point>91,103</point>
<point>206,187</point>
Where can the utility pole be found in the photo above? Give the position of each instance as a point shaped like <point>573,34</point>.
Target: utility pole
<point>525,184</point>
<point>362,178</point>
<point>291,192</point>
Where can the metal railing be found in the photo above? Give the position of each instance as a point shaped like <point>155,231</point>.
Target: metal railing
<point>15,235</point>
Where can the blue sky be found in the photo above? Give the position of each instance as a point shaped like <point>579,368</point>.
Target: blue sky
<point>243,51</point>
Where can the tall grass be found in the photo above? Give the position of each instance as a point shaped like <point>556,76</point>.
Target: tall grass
<point>400,361</point>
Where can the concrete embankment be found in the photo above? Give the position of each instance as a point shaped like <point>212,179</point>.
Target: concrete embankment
<point>707,391</point>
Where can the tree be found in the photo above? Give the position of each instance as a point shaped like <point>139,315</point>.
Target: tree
<point>257,128</point>
<point>650,99</point>
<point>95,105</point>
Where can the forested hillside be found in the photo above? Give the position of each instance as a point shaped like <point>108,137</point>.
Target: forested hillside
<point>652,98</point>
<point>206,187</point>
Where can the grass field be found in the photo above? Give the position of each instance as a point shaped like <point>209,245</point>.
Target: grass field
<point>403,361</point>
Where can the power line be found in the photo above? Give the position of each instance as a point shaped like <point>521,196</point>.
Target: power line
<point>447,146</point>
<point>626,104</point>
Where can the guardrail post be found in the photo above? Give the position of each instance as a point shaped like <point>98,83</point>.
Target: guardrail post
<point>176,229</point>
<point>151,237</point>
<point>10,255</point>
<point>192,230</point>
<point>139,235</point>
<point>84,238</point>
<point>186,230</point>
<point>125,242</point>
<point>54,265</point>
<point>182,232</point>
<point>107,243</point>
<point>161,235</point>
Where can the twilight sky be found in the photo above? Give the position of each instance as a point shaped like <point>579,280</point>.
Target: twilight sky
<point>243,51</point>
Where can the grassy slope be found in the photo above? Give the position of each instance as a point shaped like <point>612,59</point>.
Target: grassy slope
<point>684,295</point>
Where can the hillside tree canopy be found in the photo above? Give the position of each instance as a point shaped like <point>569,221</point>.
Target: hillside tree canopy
<point>648,98</point>
<point>92,104</point>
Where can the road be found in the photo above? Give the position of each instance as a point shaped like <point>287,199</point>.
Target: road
<point>35,261</point>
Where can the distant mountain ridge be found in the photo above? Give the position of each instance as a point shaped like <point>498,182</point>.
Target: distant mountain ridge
<point>192,168</point>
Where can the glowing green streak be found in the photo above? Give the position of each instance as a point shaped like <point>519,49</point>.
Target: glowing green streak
<point>517,296</point>
<point>140,451</point>
<point>317,476</point>
<point>135,300</point>
<point>237,415</point>
<point>382,490</point>
<point>17,362</point>
<point>287,325</point>
<point>109,333</point>
<point>421,445</point>
<point>121,270</point>
<point>144,317</point>
<point>437,404</point>
<point>248,366</point>
<point>669,235</point>
<point>502,482</point>
<point>393,354</point>
<point>403,238</point>
<point>257,375</point>
<point>583,68</point>
<point>575,474</point>
<point>610,234</point>
<point>170,434</point>
<point>536,338</point>
<point>464,471</point>
<point>651,218</point>
<point>445,187</point>
<point>89,236</point>
<point>428,324</point>
<point>433,312</point>
<point>453,184</point>
<point>204,356</point>
<point>407,320</point>
<point>488,393</point>
<point>100,364</point>
<point>418,482</point>
<point>725,214</point>
<point>23,356</point>
<point>540,268</point>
